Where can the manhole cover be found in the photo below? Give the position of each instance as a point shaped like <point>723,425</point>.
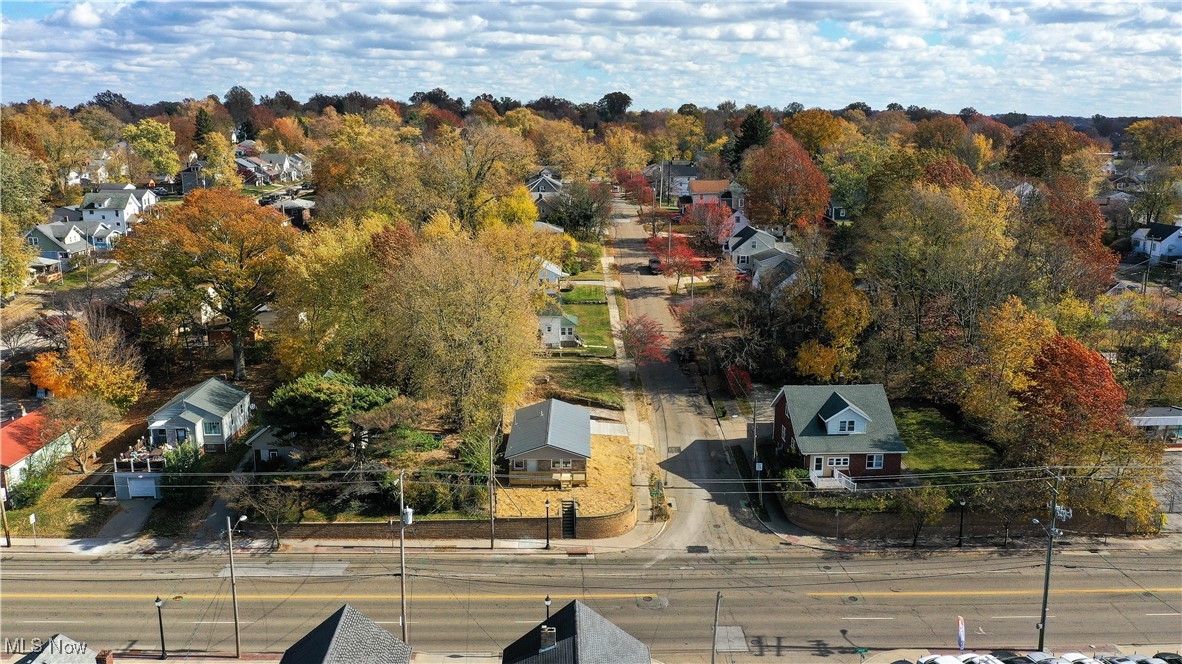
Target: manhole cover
<point>697,548</point>
<point>651,602</point>
<point>674,450</point>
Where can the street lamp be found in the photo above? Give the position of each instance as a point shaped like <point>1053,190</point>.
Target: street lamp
<point>234,583</point>
<point>547,603</point>
<point>1058,513</point>
<point>160,616</point>
<point>547,526</point>
<point>960,538</point>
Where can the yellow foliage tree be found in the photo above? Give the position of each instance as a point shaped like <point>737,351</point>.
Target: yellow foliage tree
<point>516,209</point>
<point>96,361</point>
<point>220,167</point>
<point>624,149</point>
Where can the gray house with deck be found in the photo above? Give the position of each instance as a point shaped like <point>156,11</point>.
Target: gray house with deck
<point>549,444</point>
<point>211,413</point>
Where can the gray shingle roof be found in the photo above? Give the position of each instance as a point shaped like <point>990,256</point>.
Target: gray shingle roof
<point>551,423</point>
<point>214,396</point>
<point>809,404</point>
<point>60,649</point>
<point>582,636</point>
<point>347,637</point>
<point>108,200</point>
<point>552,310</point>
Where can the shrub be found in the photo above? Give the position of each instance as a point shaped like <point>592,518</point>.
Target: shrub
<point>35,482</point>
<point>416,440</point>
<point>738,380</point>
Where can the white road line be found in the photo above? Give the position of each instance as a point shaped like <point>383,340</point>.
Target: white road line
<point>1015,617</point>
<point>867,618</point>
<point>212,622</point>
<point>1163,614</point>
<point>47,622</point>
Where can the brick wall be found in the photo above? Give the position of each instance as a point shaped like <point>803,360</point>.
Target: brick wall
<point>589,527</point>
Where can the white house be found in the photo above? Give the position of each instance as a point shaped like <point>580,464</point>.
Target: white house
<point>550,275</point>
<point>211,413</point>
<point>773,270</point>
<point>1164,422</point>
<point>1158,242</point>
<point>145,197</point>
<point>558,329</point>
<point>22,445</point>
<point>746,241</point>
<point>117,209</point>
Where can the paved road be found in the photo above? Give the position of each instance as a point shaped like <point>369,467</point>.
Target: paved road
<point>808,604</point>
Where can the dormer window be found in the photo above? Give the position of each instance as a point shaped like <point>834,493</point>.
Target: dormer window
<point>845,426</point>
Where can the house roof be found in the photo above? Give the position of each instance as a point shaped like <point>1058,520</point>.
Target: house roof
<point>301,203</point>
<point>347,637</point>
<point>551,423</point>
<point>547,228</point>
<point>57,233</point>
<point>21,437</point>
<point>553,310</point>
<point>741,236</point>
<point>543,184</point>
<point>214,396</point>
<point>709,186</point>
<point>682,171</point>
<point>95,229</point>
<point>582,636</point>
<point>116,186</point>
<point>1159,232</point>
<point>67,213</point>
<point>548,266</point>
<point>808,405</point>
<point>60,649</point>
<point>108,200</point>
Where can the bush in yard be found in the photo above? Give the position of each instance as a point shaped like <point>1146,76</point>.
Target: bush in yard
<point>37,479</point>
<point>179,487</point>
<point>314,404</point>
<point>738,380</point>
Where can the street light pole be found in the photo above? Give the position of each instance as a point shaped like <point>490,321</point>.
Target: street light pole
<point>547,603</point>
<point>960,537</point>
<point>160,617</point>
<point>1046,581</point>
<point>547,524</point>
<point>234,584</point>
<point>402,518</point>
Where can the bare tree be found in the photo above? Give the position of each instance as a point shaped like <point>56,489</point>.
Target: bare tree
<point>84,417</point>
<point>17,331</point>
<point>273,503</point>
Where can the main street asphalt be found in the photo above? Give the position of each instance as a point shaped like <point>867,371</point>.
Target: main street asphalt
<point>779,601</point>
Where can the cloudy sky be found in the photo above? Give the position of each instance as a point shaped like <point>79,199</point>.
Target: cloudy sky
<point>1071,57</point>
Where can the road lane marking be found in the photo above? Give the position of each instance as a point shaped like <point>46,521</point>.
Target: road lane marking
<point>867,618</point>
<point>318,597</point>
<point>1016,617</point>
<point>1163,614</point>
<point>54,622</point>
<point>958,593</point>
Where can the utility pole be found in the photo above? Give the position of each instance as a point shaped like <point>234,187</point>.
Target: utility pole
<point>492,503</point>
<point>755,450</point>
<point>234,584</point>
<point>4,517</point>
<point>404,516</point>
<point>1057,513</point>
<point>714,632</point>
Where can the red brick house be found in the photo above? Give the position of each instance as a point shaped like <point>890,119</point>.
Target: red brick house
<point>839,433</point>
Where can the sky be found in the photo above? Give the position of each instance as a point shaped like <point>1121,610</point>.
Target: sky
<point>1054,57</point>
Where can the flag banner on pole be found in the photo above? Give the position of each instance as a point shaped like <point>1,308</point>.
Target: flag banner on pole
<point>960,632</point>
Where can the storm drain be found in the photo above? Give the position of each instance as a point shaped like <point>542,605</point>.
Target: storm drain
<point>697,548</point>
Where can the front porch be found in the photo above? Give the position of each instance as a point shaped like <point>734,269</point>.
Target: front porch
<point>838,482</point>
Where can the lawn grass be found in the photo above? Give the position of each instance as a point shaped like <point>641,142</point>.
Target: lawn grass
<point>588,380</point>
<point>936,444</point>
<point>594,327</point>
<point>585,294</point>
<point>260,191</point>
<point>77,278</point>
<point>62,516</point>
<point>172,519</point>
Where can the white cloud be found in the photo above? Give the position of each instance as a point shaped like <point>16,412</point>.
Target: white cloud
<point>996,55</point>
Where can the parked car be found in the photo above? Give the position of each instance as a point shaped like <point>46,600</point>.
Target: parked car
<point>1019,659</point>
<point>654,265</point>
<point>1038,656</point>
<point>160,191</point>
<point>1169,657</point>
<point>676,218</point>
<point>938,659</point>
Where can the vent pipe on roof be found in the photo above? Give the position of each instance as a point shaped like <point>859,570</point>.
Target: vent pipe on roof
<point>549,639</point>
<point>23,411</point>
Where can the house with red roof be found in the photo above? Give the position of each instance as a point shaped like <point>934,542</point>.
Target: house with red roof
<point>23,442</point>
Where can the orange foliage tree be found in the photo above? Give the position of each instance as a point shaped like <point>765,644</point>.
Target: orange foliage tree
<point>783,184</point>
<point>96,360</point>
<point>221,250</point>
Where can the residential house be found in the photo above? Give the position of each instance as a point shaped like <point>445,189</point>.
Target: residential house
<point>550,276</point>
<point>68,213</point>
<point>1158,242</point>
<point>252,173</point>
<point>1162,422</point>
<point>191,178</point>
<point>299,211</point>
<point>23,445</point>
<point>1126,182</point>
<point>245,149</point>
<point>60,242</point>
<point>146,197</point>
<point>557,329</point>
<point>544,188</point>
<point>840,433</point>
<point>671,179</point>
<point>746,241</point>
<point>211,413</point>
<point>61,649</point>
<point>576,634</point>
<point>549,444</point>
<point>44,270</point>
<point>285,170</point>
<point>118,209</point>
<point>774,270</point>
<point>302,165</point>
<point>348,637</point>
<point>836,213</point>
<point>266,446</point>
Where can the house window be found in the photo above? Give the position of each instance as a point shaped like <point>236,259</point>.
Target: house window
<point>32,241</point>
<point>549,329</point>
<point>518,465</point>
<point>182,435</point>
<point>742,260</point>
<point>784,432</point>
<point>839,462</point>
<point>845,426</point>
<point>873,462</point>
<point>213,428</point>
<point>562,463</point>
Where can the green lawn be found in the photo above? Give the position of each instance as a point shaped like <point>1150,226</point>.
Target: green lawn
<point>61,512</point>
<point>585,294</point>
<point>77,278</point>
<point>594,272</point>
<point>584,379</point>
<point>936,444</point>
<point>594,327</point>
<point>259,191</point>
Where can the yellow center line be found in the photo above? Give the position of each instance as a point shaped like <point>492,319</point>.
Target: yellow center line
<point>315,596</point>
<point>950,593</point>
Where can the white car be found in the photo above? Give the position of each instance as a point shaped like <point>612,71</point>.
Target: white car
<point>938,659</point>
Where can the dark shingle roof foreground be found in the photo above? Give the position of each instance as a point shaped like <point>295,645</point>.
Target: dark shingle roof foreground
<point>60,649</point>
<point>347,637</point>
<point>582,636</point>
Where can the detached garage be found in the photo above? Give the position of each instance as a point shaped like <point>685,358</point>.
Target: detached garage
<point>137,485</point>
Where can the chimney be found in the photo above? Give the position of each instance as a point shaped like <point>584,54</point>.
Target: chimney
<point>105,657</point>
<point>23,411</point>
<point>549,639</point>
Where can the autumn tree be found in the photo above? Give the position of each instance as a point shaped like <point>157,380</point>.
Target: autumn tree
<point>239,101</point>
<point>15,254</point>
<point>286,136</point>
<point>823,301</point>
<point>920,507</point>
<point>220,167</point>
<point>96,360</point>
<point>613,106</point>
<point>563,147</point>
<point>219,246</point>
<point>153,142</point>
<point>101,124</point>
<point>623,149</point>
<point>814,129</point>
<point>783,185</point>
<point>755,132</point>
<point>583,211</point>
<point>1159,201</point>
<point>364,169</point>
<point>464,173</point>
<point>715,222</point>
<point>644,340</point>
<point>53,136</point>
<point>1158,140</point>
<point>943,133</point>
<point>1041,149</point>
<point>84,417</point>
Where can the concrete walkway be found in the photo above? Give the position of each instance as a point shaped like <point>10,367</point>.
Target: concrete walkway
<point>126,523</point>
